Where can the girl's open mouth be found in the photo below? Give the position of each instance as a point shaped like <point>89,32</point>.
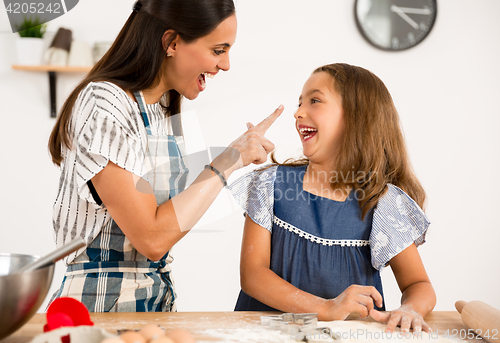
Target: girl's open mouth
<point>307,132</point>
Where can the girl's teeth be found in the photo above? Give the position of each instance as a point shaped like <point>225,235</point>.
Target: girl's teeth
<point>307,129</point>
<point>307,132</point>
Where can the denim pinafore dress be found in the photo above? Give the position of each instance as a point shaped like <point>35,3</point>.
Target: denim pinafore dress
<point>111,275</point>
<point>320,245</point>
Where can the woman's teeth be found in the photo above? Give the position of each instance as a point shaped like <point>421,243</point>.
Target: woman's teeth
<point>202,80</point>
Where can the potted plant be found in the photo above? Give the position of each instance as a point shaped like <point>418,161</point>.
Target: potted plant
<point>30,42</point>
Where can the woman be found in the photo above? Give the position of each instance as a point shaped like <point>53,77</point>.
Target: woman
<point>123,175</point>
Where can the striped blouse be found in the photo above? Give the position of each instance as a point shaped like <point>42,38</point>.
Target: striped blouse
<point>106,125</point>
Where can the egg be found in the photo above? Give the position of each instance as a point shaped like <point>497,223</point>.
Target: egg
<point>132,337</point>
<point>162,339</point>
<point>181,336</point>
<point>113,340</point>
<point>152,331</point>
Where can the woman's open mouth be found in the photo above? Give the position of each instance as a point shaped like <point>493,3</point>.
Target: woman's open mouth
<point>202,83</point>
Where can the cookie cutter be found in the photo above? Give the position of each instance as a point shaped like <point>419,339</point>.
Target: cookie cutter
<point>287,322</point>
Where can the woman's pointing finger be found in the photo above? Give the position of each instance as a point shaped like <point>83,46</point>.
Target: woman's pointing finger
<point>264,125</point>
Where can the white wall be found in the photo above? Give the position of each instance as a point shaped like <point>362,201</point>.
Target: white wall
<point>445,90</point>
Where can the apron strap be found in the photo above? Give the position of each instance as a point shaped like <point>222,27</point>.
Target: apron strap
<point>143,267</point>
<point>142,106</point>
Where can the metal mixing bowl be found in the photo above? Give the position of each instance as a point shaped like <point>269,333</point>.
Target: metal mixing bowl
<point>21,294</point>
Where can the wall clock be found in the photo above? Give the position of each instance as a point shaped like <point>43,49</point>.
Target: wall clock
<point>395,25</point>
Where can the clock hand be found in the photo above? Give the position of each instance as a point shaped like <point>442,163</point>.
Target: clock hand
<point>403,15</point>
<point>424,11</point>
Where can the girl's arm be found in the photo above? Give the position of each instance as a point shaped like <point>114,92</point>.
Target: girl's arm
<point>262,284</point>
<point>418,296</point>
<point>153,229</point>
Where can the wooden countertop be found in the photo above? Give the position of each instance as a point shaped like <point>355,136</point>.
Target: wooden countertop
<point>203,324</point>
<point>50,68</point>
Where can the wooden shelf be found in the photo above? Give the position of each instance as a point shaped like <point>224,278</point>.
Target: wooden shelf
<point>52,70</point>
<point>49,68</point>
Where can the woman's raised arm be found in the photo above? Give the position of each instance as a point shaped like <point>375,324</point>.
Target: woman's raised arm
<point>153,229</point>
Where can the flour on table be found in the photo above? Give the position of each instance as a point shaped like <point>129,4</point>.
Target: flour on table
<point>337,332</point>
<point>250,334</point>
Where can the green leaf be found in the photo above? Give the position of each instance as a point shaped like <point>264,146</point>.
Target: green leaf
<point>32,27</point>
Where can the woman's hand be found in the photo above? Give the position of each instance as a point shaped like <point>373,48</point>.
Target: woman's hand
<point>355,298</point>
<point>251,147</point>
<point>404,316</point>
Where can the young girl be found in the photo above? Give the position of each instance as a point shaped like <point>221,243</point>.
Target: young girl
<point>320,229</point>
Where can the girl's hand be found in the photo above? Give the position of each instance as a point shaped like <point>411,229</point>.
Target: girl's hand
<point>355,298</point>
<point>404,316</point>
<point>251,147</point>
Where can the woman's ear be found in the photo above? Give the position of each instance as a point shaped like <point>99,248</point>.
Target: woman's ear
<point>169,41</point>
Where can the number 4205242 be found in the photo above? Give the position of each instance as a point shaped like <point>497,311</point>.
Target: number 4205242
<point>471,334</point>
<point>33,7</point>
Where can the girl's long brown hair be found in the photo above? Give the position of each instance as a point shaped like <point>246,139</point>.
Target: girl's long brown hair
<point>135,58</point>
<point>373,149</point>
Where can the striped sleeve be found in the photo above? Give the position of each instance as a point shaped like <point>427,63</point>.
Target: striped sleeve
<point>106,130</point>
<point>254,192</point>
<point>398,222</point>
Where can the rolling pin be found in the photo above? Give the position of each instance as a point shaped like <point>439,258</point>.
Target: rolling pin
<point>482,318</point>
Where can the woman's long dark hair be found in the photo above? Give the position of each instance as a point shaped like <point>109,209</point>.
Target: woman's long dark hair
<point>135,59</point>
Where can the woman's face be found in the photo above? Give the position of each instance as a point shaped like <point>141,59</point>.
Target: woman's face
<point>320,118</point>
<point>191,63</point>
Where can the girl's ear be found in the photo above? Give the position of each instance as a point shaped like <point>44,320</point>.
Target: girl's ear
<point>169,41</point>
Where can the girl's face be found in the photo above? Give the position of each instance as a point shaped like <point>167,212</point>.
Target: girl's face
<point>320,118</point>
<point>191,63</point>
